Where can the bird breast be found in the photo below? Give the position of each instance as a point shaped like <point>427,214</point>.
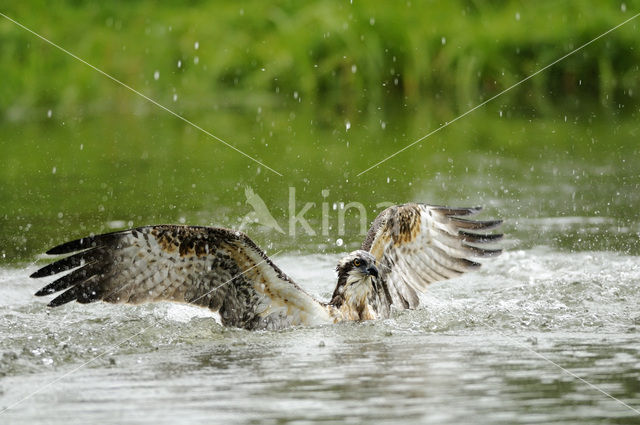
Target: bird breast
<point>358,299</point>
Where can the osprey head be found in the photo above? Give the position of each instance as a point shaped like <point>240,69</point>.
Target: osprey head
<point>360,264</point>
<point>357,286</point>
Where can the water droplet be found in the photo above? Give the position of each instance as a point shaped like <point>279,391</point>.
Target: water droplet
<point>295,94</point>
<point>372,21</point>
<point>196,45</point>
<point>156,75</point>
<point>500,114</point>
<point>175,97</point>
<point>49,113</point>
<point>347,125</point>
<point>354,68</point>
<point>623,7</point>
<point>339,242</point>
<point>179,63</point>
<point>53,170</point>
<point>196,60</point>
<point>444,41</point>
<point>517,16</point>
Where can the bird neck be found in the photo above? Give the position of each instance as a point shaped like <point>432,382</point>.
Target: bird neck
<point>355,298</point>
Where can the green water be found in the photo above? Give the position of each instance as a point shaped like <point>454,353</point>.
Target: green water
<point>65,177</point>
<point>558,159</point>
<point>81,153</point>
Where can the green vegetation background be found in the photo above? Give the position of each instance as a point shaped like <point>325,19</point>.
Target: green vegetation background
<point>319,91</point>
<point>342,58</point>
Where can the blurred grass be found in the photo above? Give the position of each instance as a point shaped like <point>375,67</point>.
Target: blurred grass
<point>319,91</point>
<point>359,60</point>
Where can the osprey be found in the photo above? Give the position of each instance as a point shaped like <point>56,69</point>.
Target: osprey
<point>407,247</point>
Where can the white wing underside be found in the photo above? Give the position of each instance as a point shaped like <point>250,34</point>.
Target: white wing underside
<point>215,268</point>
<point>224,271</point>
<point>418,244</point>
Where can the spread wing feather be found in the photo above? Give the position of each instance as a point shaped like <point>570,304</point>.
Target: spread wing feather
<point>216,268</point>
<point>417,244</point>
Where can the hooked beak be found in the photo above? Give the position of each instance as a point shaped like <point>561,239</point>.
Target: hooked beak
<point>373,271</point>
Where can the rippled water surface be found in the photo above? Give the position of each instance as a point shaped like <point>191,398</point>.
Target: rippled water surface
<point>546,333</point>
<point>507,344</point>
<point>549,332</point>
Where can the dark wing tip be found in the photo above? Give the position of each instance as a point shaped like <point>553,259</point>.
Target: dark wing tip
<point>67,296</point>
<point>72,246</point>
<point>44,291</point>
<point>479,237</point>
<point>483,252</point>
<point>471,265</point>
<point>40,273</point>
<point>450,211</point>
<point>56,302</point>
<point>475,224</point>
<point>92,241</point>
<point>53,268</point>
<point>67,263</point>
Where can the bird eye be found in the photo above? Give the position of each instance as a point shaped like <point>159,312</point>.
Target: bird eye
<point>357,262</point>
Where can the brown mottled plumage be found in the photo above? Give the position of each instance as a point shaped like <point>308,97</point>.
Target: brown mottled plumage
<point>407,247</point>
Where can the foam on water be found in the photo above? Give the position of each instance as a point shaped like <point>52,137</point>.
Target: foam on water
<point>469,342</point>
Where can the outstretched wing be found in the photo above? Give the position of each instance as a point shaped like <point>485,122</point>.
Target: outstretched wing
<point>211,267</point>
<point>416,244</point>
